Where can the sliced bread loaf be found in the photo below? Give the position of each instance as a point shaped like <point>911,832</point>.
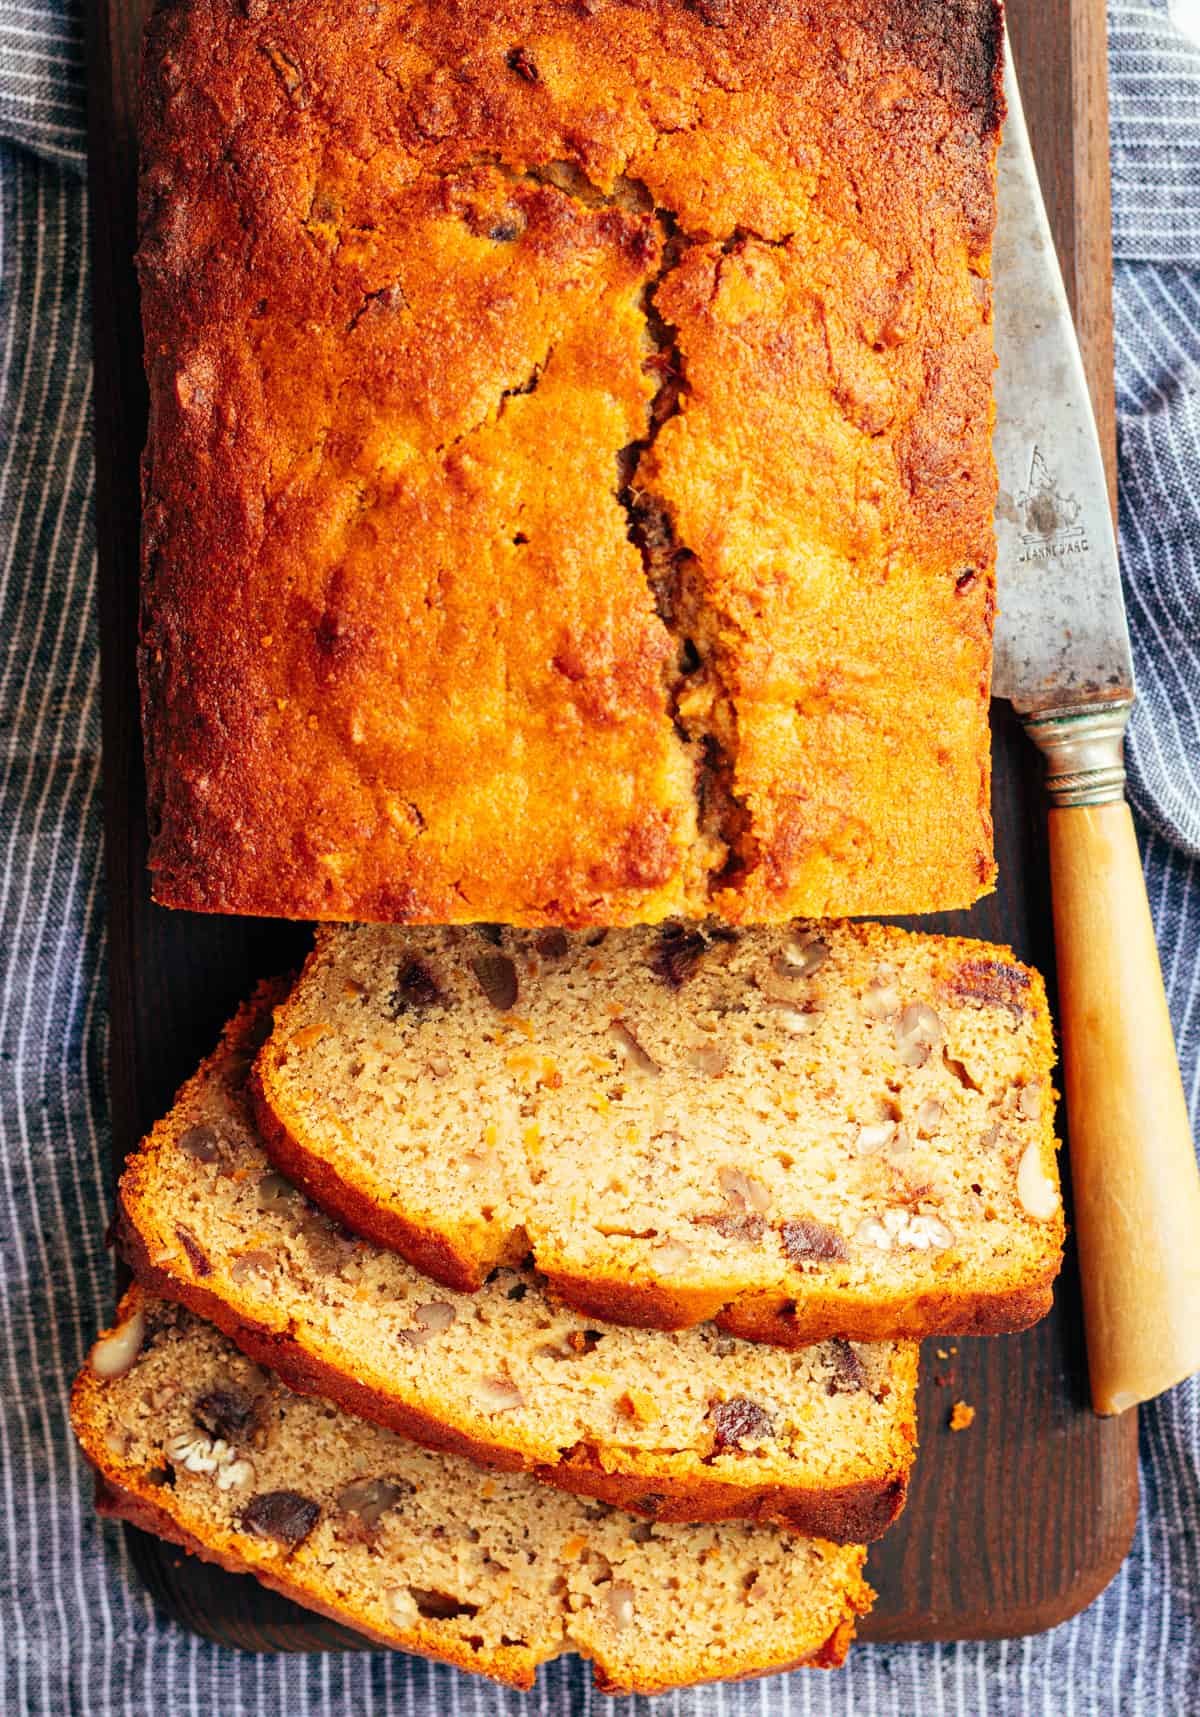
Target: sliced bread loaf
<point>430,1553</point>
<point>829,1129</point>
<point>688,1426</point>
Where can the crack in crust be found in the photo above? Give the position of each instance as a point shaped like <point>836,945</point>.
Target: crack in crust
<point>699,700</point>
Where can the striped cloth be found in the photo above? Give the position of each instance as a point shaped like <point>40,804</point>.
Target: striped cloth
<point>77,1632</point>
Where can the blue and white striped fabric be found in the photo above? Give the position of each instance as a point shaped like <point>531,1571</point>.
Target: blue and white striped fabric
<point>77,1632</point>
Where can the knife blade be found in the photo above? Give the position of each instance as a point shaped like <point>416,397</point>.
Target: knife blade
<point>1063,659</point>
<point>1061,638</point>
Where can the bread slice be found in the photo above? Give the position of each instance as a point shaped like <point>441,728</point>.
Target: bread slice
<point>489,1571</point>
<point>688,1426</point>
<point>828,1129</point>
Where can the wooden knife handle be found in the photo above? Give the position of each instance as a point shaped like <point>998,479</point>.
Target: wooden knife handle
<point>1134,1174</point>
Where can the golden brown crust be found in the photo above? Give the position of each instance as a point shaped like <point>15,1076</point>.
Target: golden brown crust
<point>376,310</point>
<point>785,1323</point>
<point>845,1514</point>
<point>832,1655</point>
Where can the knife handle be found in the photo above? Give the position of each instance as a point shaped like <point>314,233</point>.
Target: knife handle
<point>1134,1174</point>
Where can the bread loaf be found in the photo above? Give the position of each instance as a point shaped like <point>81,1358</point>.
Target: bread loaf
<point>568,496</point>
<point>489,1571</point>
<point>833,1129</point>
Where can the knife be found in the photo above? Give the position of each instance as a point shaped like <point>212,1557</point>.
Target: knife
<point>1063,658</point>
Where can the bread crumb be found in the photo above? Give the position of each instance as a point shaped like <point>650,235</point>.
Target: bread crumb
<point>942,1354</point>
<point>961,1416</point>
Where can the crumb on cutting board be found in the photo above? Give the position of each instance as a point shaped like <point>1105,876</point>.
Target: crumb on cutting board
<point>961,1415</point>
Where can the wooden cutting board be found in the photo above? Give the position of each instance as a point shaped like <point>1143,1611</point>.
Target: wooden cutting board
<point>1013,1524</point>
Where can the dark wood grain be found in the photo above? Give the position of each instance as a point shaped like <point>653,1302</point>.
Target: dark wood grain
<point>1013,1524</point>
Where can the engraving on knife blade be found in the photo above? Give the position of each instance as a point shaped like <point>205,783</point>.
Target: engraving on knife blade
<point>1050,519</point>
